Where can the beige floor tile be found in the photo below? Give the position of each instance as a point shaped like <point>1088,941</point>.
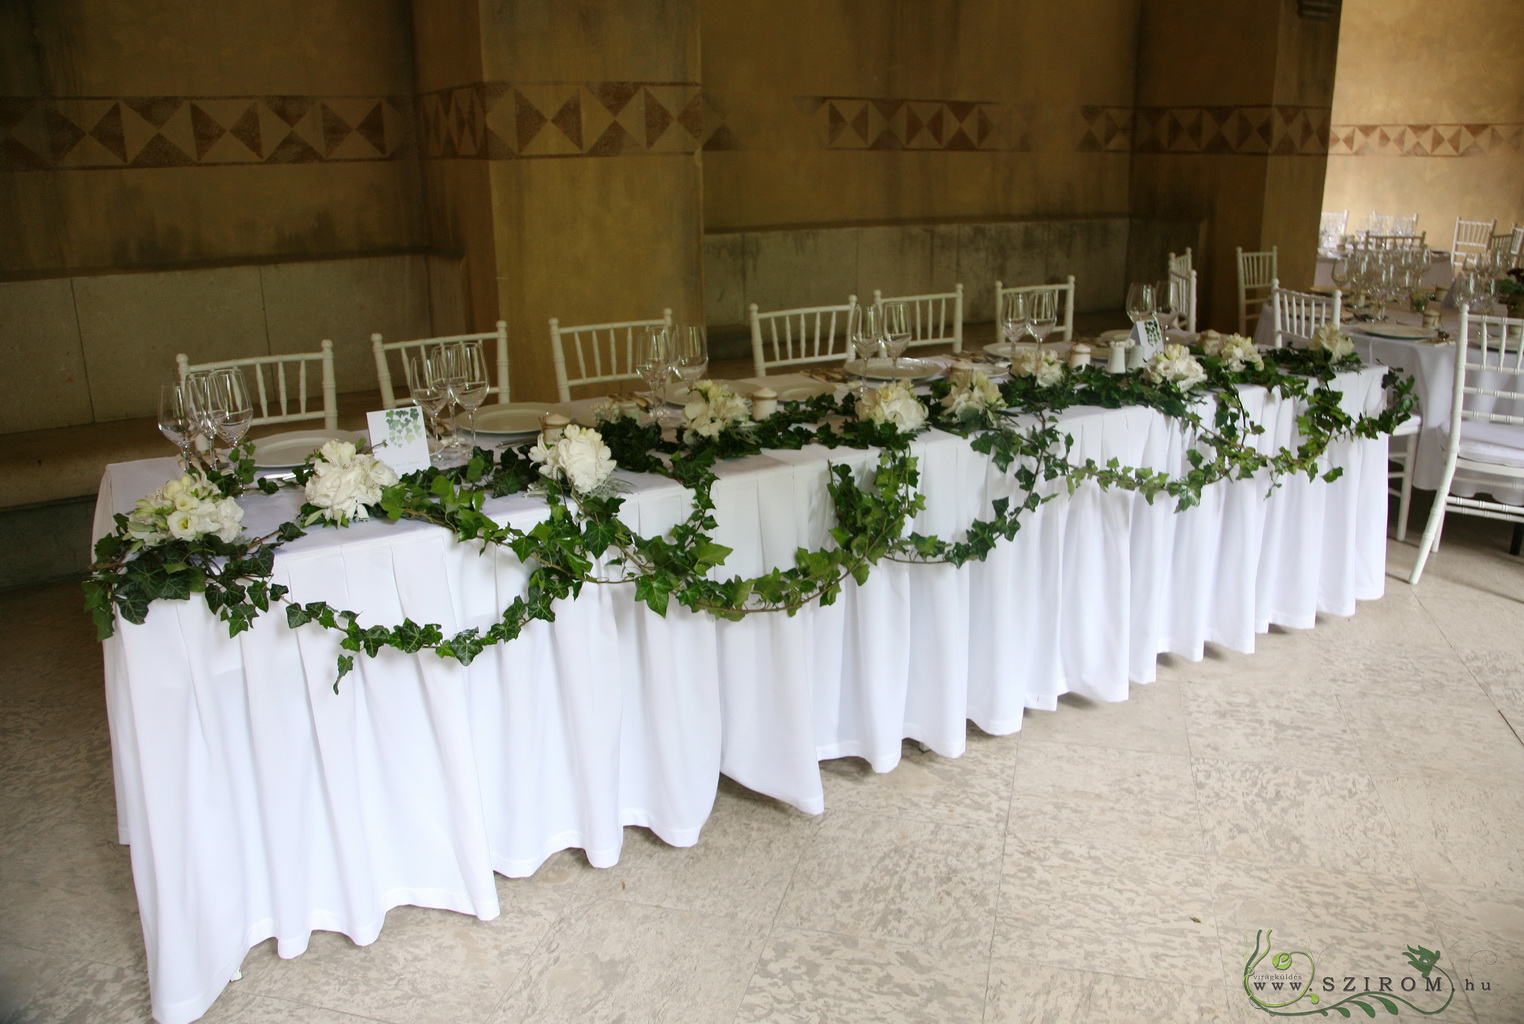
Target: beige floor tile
<point>973,790</point>
<point>89,992</point>
<point>1151,719</point>
<point>1114,909</point>
<point>740,867</point>
<point>1403,669</point>
<point>1029,993</point>
<point>427,965</point>
<point>898,878</point>
<point>97,927</point>
<point>1429,738</point>
<point>1350,924</point>
<point>821,978</point>
<point>613,961</point>
<point>1295,724</point>
<point>24,973</point>
<point>1483,935</point>
<point>1458,832</point>
<point>1069,791</point>
<point>1275,814</point>
<point>239,1004</point>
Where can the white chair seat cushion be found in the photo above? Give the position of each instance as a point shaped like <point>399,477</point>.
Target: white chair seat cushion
<point>1498,443</point>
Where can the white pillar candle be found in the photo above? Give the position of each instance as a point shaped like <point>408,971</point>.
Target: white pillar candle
<point>1117,362</point>
<point>1079,356</point>
<point>764,402</point>
<point>552,426</point>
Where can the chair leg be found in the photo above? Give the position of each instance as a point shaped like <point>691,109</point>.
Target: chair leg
<point>1518,539</point>
<point>1405,497</point>
<point>1430,534</point>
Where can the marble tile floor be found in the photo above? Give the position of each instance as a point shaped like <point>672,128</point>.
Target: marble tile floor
<point>1357,788</point>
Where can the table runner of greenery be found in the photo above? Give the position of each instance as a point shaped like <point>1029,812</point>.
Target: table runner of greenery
<point>582,541</point>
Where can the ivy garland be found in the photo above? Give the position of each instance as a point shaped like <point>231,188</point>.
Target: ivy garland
<point>582,541</point>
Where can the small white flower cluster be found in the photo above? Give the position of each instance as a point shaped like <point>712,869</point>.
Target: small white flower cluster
<point>579,459</point>
<point>1235,351</point>
<point>344,482</point>
<point>711,410</point>
<point>185,509</point>
<point>1330,339</point>
<point>611,410</point>
<point>973,398</point>
<point>1044,365</point>
<point>894,404</point>
<point>1175,363</point>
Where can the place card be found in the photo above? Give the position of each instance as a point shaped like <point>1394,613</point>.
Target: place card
<point>398,438</point>
<point>1148,335</point>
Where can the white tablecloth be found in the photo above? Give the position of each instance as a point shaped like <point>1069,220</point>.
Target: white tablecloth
<point>259,803</point>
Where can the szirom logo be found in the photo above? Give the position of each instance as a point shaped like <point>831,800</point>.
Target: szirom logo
<point>1288,985</point>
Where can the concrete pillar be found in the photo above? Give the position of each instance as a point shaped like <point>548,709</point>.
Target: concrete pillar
<point>1231,129</point>
<point>561,161</point>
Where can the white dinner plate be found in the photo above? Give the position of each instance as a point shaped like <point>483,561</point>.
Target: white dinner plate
<point>1118,334</point>
<point>1401,332</point>
<point>676,393</point>
<point>291,448</point>
<point>511,418</point>
<point>885,369</point>
<point>1002,349</point>
<point>801,392</point>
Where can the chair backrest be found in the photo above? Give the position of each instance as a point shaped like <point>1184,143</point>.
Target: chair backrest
<point>1257,272</point>
<point>1296,316</point>
<point>1333,223</point>
<point>1391,242</point>
<point>935,318</point>
<point>797,337</point>
<point>1472,235</point>
<point>1065,325</point>
<point>281,386</point>
<point>383,351</point>
<point>1489,374</point>
<point>1510,243</point>
<point>600,353</point>
<point>1182,283</point>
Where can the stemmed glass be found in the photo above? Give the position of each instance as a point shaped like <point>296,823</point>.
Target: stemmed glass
<point>178,419</point>
<point>431,395</point>
<point>230,406</point>
<point>465,377</point>
<point>864,333</point>
<point>1165,307</point>
<point>690,353</point>
<point>895,324</point>
<point>1044,310</point>
<point>654,361</point>
<point>1015,315</point>
<point>1340,272</point>
<point>1140,302</point>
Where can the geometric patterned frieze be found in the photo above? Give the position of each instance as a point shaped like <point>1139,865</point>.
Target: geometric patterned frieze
<point>1258,130</point>
<point>529,120</point>
<point>94,133</point>
<point>1425,139</point>
<point>890,123</point>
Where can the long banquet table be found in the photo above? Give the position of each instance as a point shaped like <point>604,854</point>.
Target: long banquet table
<point>260,803</point>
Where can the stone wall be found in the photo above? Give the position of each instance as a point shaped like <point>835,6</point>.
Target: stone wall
<point>1428,114</point>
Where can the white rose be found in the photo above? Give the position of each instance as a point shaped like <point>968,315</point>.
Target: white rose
<point>229,520</point>
<point>894,404</point>
<point>1331,340</point>
<point>1235,351</point>
<point>711,409</point>
<point>580,458</point>
<point>337,453</point>
<point>1043,365</point>
<point>1175,363</point>
<point>973,395</point>
<point>182,525</point>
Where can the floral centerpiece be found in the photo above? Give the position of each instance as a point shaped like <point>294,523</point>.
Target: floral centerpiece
<point>893,404</point>
<point>973,400</point>
<point>613,410</point>
<point>345,483</point>
<point>188,508</point>
<point>1234,351</point>
<point>579,459</point>
<point>1041,364</point>
<point>713,408</point>
<point>1174,363</point>
<point>1333,342</point>
<point>1509,291</point>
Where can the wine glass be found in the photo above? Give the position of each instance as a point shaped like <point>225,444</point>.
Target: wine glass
<point>1140,302</point>
<point>178,419</point>
<point>1165,307</point>
<point>466,376</point>
<point>230,406</point>
<point>1044,310</point>
<point>1015,315</point>
<point>864,333</point>
<point>431,396</point>
<point>690,353</point>
<point>895,324</point>
<point>653,362</point>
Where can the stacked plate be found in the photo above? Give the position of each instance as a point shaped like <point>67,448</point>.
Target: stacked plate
<point>291,448</point>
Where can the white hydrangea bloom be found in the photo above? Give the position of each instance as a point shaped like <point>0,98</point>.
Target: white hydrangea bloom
<point>1330,339</point>
<point>1235,351</point>
<point>973,396</point>
<point>580,459</point>
<point>712,409</point>
<point>1175,363</point>
<point>1044,365</point>
<point>894,404</point>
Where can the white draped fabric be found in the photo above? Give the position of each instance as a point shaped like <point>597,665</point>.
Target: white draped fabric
<point>260,803</point>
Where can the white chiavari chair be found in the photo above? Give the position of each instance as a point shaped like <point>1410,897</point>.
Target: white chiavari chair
<point>1182,281</point>
<point>282,387</point>
<point>935,318</point>
<point>1257,272</point>
<point>1064,328</point>
<point>600,353</point>
<point>384,352</point>
<point>798,337</point>
<point>1472,235</point>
